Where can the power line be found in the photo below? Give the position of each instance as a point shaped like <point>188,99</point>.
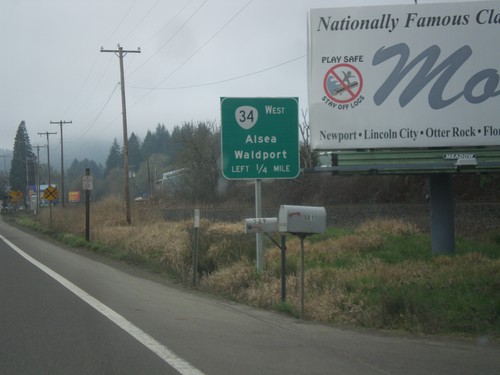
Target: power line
<point>207,41</point>
<point>195,53</point>
<point>120,52</point>
<point>91,94</point>
<point>107,66</point>
<point>142,20</point>
<point>168,40</point>
<point>98,115</point>
<point>48,151</point>
<point>96,58</point>
<point>219,81</point>
<point>120,23</point>
<point>61,123</point>
<point>168,23</point>
<point>82,86</point>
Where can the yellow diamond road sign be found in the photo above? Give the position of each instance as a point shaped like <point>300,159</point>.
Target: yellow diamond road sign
<point>15,195</point>
<point>50,193</point>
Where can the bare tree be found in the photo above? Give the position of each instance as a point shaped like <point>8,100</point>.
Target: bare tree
<point>308,158</point>
<point>199,154</point>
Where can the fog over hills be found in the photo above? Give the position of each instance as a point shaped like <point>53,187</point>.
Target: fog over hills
<point>97,151</point>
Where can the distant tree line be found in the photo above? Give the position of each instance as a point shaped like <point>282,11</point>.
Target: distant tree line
<point>195,149</point>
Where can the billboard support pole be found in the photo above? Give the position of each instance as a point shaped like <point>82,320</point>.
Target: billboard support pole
<point>442,214</point>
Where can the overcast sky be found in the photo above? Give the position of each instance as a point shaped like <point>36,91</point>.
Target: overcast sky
<point>192,53</point>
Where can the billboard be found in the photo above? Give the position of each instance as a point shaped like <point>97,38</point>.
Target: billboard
<point>73,197</point>
<point>404,76</point>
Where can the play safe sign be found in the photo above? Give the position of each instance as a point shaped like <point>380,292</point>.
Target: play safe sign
<point>404,76</point>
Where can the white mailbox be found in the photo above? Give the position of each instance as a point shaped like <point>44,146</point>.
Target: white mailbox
<point>261,225</point>
<point>302,219</point>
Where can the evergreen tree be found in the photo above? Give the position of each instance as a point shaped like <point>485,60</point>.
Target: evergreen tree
<point>134,152</point>
<point>22,170</point>
<point>158,142</point>
<point>163,140</point>
<point>115,157</point>
<point>77,169</point>
<point>148,145</point>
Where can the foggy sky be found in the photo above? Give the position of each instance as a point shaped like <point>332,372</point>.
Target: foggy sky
<point>192,53</point>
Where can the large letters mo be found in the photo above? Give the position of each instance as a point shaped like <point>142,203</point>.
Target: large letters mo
<point>444,71</point>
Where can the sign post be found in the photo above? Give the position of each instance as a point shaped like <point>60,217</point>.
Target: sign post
<point>196,245</point>
<point>50,193</point>
<point>260,140</point>
<point>87,186</point>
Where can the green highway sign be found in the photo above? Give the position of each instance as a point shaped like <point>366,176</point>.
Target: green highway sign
<point>260,138</point>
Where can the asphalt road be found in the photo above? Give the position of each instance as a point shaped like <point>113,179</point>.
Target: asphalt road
<point>65,311</point>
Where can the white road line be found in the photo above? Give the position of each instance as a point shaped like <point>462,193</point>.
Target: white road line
<point>155,346</point>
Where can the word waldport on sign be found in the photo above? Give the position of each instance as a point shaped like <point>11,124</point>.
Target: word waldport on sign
<point>405,76</point>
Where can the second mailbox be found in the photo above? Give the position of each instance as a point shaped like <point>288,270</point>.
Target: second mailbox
<point>302,219</point>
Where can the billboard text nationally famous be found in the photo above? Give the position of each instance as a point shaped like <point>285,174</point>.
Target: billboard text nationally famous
<point>405,76</point>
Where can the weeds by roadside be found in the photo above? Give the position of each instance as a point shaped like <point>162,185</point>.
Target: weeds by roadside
<point>380,274</point>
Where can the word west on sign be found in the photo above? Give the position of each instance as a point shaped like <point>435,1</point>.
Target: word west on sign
<point>405,76</point>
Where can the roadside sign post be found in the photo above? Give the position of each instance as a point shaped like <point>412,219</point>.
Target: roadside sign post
<point>268,225</point>
<point>196,244</point>
<point>50,193</point>
<point>87,186</point>
<point>260,140</point>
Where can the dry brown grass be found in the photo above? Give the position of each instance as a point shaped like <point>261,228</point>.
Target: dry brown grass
<point>348,280</point>
<point>388,226</point>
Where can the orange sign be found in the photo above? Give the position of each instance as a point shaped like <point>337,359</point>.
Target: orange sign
<point>73,196</point>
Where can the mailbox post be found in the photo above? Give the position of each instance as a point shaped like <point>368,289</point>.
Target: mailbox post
<point>268,225</point>
<point>301,221</point>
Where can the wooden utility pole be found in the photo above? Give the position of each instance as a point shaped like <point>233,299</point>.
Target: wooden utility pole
<point>62,157</point>
<point>120,52</point>
<point>48,153</point>
<point>48,170</point>
<point>37,179</point>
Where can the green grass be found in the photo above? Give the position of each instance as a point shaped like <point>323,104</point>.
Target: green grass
<point>397,283</point>
<point>28,221</point>
<point>330,232</point>
<point>401,248</point>
<point>285,308</point>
